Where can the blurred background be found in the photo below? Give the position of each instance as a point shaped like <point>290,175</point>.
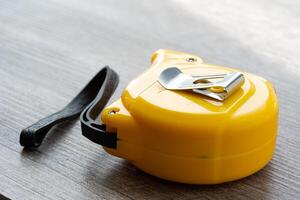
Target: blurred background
<point>50,49</point>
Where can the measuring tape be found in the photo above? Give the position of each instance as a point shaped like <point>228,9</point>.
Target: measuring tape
<point>182,119</point>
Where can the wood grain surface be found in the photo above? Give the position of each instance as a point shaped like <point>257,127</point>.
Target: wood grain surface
<point>50,49</point>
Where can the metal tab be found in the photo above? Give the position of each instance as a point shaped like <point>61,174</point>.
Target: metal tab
<point>174,79</point>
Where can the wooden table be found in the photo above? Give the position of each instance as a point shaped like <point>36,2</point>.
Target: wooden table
<point>50,49</point>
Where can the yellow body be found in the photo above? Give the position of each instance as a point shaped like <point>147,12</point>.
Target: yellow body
<point>186,137</point>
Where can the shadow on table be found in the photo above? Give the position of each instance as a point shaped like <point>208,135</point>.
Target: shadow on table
<point>134,183</point>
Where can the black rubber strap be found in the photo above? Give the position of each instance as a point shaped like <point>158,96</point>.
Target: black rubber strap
<point>91,100</point>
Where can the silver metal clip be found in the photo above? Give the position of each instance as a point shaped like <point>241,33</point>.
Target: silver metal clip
<point>174,79</point>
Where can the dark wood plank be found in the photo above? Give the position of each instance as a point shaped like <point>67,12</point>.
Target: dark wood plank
<point>50,49</point>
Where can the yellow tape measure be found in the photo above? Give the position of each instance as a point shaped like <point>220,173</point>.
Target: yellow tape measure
<point>184,136</point>
<point>182,119</point>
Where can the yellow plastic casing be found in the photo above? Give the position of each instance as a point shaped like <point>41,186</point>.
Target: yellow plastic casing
<point>186,137</point>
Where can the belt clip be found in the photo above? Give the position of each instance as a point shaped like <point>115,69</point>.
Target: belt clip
<point>174,79</point>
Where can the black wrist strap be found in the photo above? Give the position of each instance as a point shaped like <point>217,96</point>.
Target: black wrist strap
<point>89,102</point>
